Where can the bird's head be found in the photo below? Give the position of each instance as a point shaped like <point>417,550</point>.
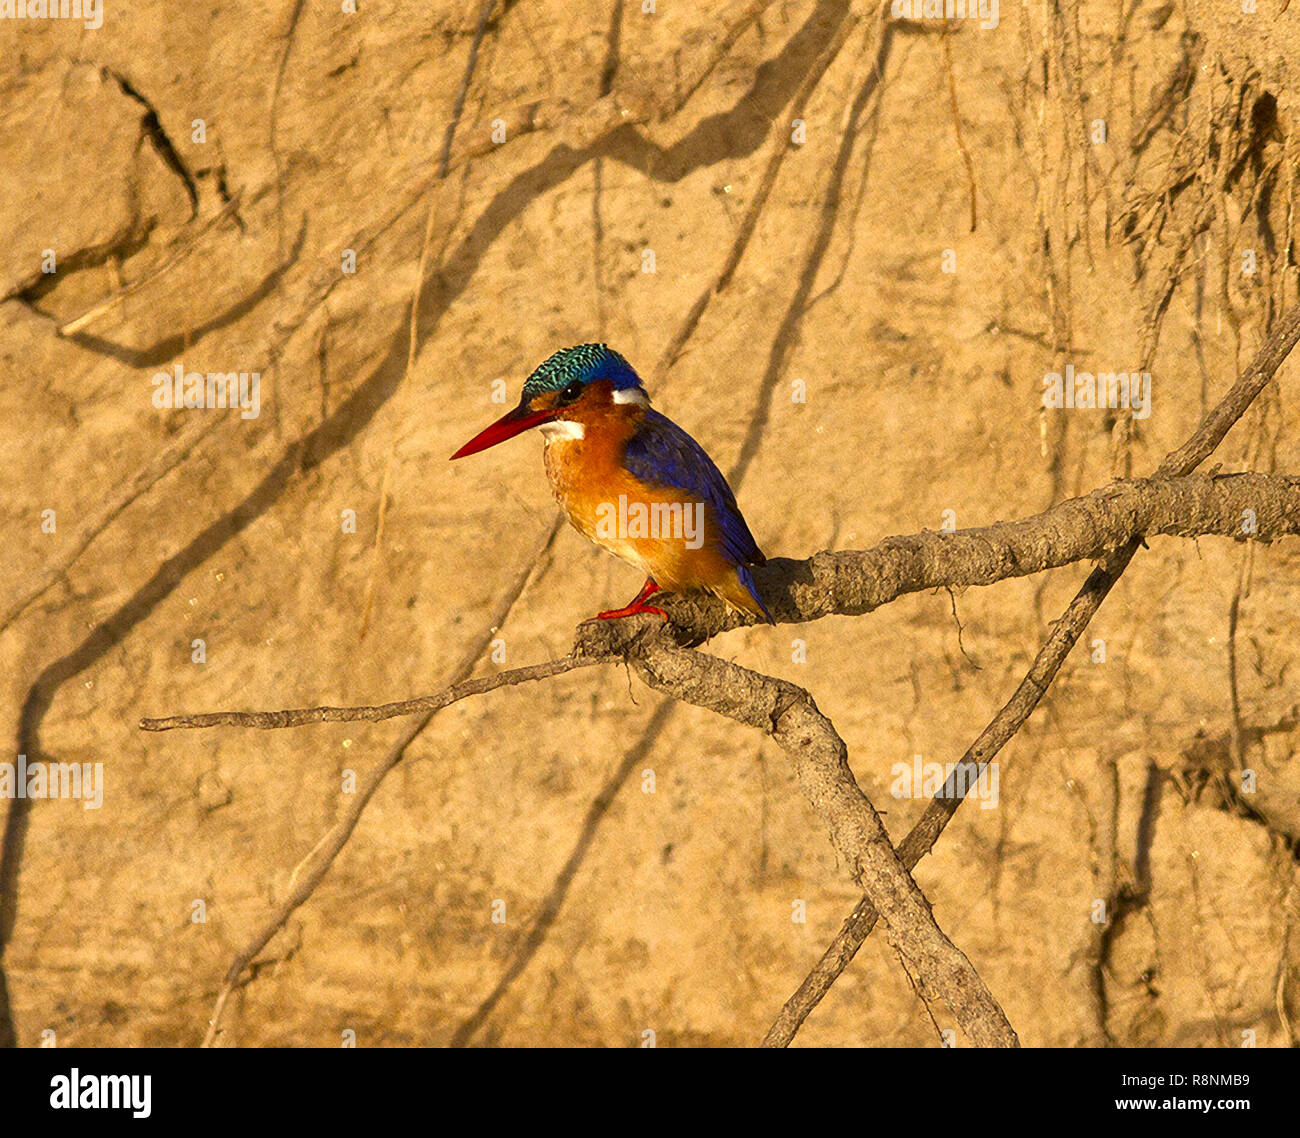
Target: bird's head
<point>565,389</point>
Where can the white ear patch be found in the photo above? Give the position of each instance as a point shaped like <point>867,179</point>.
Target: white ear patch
<point>631,395</point>
<point>561,430</point>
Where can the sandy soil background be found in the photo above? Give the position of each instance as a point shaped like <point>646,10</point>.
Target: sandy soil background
<point>864,365</point>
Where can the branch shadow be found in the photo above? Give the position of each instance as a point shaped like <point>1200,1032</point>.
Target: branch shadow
<point>728,135</point>
<point>161,351</point>
<point>554,899</point>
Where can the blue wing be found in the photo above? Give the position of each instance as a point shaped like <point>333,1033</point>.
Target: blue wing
<point>661,453</point>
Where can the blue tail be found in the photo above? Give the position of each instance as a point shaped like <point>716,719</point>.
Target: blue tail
<point>747,579</point>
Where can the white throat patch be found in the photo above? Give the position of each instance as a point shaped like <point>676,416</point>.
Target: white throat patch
<point>561,430</point>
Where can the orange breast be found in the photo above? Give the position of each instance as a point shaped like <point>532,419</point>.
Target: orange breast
<point>665,533</point>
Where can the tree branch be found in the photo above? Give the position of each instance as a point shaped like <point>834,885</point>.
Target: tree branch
<point>854,582</point>
<point>791,717</point>
<point>1004,725</point>
<point>1260,507</point>
<point>1111,521</point>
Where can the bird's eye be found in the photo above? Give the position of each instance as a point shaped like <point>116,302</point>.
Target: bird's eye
<point>570,394</point>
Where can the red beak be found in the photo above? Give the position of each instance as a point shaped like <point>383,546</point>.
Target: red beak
<point>515,422</point>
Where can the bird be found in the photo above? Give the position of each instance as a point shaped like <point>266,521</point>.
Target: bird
<point>632,481</point>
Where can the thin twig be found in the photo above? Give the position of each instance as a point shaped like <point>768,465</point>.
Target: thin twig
<point>186,245</point>
<point>785,140</point>
<point>298,716</point>
<point>334,839</point>
<point>956,122</point>
<point>417,294</point>
<point>162,464</point>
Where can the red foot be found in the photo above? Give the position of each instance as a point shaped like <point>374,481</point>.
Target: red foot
<point>630,610</point>
<point>636,605</point>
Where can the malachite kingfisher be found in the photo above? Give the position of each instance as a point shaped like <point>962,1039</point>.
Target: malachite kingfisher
<point>632,481</point>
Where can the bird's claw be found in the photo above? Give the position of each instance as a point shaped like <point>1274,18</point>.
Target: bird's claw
<point>629,610</point>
